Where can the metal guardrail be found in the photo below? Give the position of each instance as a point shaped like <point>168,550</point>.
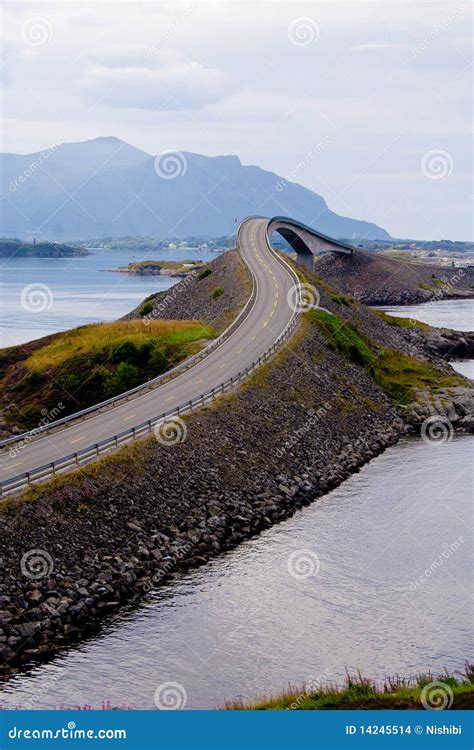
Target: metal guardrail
<point>93,451</point>
<point>139,390</point>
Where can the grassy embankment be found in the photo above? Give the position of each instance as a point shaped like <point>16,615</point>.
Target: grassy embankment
<point>397,693</point>
<point>398,374</point>
<point>93,363</point>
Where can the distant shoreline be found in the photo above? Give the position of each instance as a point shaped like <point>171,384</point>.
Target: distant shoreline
<point>172,268</point>
<point>18,249</point>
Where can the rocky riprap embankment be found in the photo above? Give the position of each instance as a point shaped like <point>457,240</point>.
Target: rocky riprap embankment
<point>193,298</point>
<point>450,408</point>
<point>374,279</point>
<point>153,511</point>
<point>107,535</point>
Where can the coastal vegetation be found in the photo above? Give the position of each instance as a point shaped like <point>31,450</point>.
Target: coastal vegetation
<point>93,363</point>
<point>454,691</point>
<point>216,292</point>
<point>395,320</point>
<point>19,249</point>
<point>398,374</point>
<point>162,267</point>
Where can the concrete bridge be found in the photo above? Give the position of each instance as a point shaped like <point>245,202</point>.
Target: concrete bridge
<point>305,241</point>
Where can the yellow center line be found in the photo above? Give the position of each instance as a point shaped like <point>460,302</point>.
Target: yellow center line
<point>222,365</point>
<point>78,440</point>
<point>12,466</point>
<point>130,417</point>
<point>253,338</point>
<point>169,398</point>
<point>240,350</point>
<point>199,381</point>
<point>265,324</point>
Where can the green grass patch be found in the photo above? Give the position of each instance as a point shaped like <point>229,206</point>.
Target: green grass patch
<point>106,337</point>
<point>204,273</point>
<point>92,363</point>
<point>342,299</point>
<point>398,374</point>
<point>342,337</point>
<point>217,292</point>
<point>145,308</point>
<point>362,693</point>
<point>144,267</point>
<point>394,320</point>
<point>436,283</point>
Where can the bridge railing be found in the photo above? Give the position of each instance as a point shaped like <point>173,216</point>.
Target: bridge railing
<point>97,449</point>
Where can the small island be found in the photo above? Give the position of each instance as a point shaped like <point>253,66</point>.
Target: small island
<point>19,249</point>
<point>161,267</point>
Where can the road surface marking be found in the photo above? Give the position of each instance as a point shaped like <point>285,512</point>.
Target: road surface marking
<point>222,365</point>
<point>240,350</point>
<point>12,466</point>
<point>169,398</point>
<point>199,381</point>
<point>253,338</point>
<point>78,440</point>
<point>130,417</point>
<point>265,324</point>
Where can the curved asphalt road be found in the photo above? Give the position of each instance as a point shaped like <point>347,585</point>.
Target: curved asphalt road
<point>268,317</point>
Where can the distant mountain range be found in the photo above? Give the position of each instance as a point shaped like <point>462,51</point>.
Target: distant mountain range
<point>106,187</point>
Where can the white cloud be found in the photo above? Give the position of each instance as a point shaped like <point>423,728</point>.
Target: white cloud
<point>184,86</point>
<point>374,47</point>
<point>223,78</point>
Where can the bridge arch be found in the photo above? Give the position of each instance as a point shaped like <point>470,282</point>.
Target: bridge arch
<point>305,241</point>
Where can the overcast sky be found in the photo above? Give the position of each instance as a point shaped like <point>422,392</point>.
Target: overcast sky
<point>367,103</point>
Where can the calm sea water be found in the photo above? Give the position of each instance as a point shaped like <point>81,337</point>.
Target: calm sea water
<point>456,314</point>
<point>63,293</point>
<point>242,625</point>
